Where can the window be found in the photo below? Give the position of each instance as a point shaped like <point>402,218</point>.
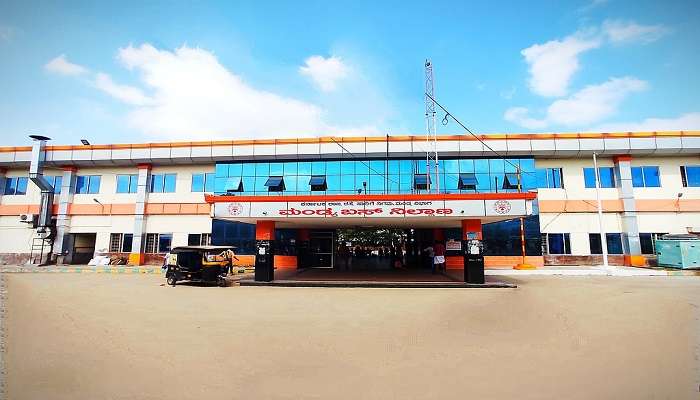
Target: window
<point>607,177</point>
<point>467,181</point>
<point>318,183</point>
<point>158,242</point>
<point>198,239</point>
<point>56,182</point>
<point>16,186</point>
<point>421,181</point>
<point>87,184</point>
<point>163,183</point>
<point>510,181</point>
<point>275,184</point>
<point>613,241</point>
<point>127,183</point>
<point>120,242</point>
<point>648,242</point>
<point>645,177</point>
<point>205,182</point>
<point>556,243</point>
<point>553,177</point>
<point>690,174</point>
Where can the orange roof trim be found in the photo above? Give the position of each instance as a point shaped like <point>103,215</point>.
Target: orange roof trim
<point>357,139</point>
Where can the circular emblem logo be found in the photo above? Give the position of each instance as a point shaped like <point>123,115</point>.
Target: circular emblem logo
<point>235,209</point>
<point>502,206</point>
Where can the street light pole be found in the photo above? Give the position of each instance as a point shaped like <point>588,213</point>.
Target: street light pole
<point>603,241</point>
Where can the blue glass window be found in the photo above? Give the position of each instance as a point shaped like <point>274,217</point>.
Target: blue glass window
<point>235,169</point>
<point>290,168</point>
<point>607,177</point>
<point>163,183</point>
<point>262,169</point>
<point>304,168</point>
<point>421,182</point>
<point>204,182</point>
<point>276,169</point>
<point>57,183</point>
<point>554,178</point>
<point>612,240</point>
<point>510,181</point>
<point>318,183</point>
<point>558,243</point>
<point>127,183</point>
<point>87,184</point>
<point>16,186</point>
<point>275,184</point>
<point>647,176</point>
<point>690,174</point>
<point>468,181</point>
<point>249,169</point>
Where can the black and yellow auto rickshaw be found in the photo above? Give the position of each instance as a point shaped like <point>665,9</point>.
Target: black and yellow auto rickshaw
<point>208,264</point>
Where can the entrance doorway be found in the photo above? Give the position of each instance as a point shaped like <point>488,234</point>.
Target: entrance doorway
<point>373,249</point>
<point>321,254</point>
<point>83,247</point>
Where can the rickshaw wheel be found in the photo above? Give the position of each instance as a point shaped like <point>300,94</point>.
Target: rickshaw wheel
<point>172,280</point>
<point>221,281</point>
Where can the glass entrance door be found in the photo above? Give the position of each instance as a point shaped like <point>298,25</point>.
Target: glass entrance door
<point>321,249</point>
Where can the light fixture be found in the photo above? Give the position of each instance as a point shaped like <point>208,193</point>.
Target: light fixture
<point>39,137</point>
<point>85,142</point>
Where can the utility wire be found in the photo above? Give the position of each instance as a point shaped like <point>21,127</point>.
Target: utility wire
<point>449,114</point>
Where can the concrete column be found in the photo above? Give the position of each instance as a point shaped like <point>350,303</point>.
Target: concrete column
<point>62,243</point>
<point>473,263</point>
<point>630,230</point>
<point>137,255</point>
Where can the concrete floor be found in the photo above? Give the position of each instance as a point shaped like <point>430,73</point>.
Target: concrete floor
<point>99,336</point>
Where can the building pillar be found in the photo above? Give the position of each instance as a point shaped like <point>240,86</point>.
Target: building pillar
<point>473,253</point>
<point>137,256</point>
<point>631,245</point>
<point>265,254</point>
<point>62,243</point>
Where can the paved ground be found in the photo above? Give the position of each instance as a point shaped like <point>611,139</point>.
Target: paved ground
<point>127,336</point>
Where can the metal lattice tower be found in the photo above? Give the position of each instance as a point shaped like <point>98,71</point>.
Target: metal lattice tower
<point>431,152</point>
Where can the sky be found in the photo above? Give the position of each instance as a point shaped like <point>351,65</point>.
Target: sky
<point>122,72</point>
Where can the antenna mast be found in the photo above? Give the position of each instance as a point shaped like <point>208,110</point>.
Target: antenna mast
<point>431,152</point>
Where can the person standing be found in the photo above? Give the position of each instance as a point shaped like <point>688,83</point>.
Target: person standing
<point>429,253</point>
<point>439,256</point>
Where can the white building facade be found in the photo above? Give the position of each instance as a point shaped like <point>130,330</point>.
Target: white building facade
<point>139,200</point>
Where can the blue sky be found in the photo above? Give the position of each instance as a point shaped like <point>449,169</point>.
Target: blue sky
<point>131,72</point>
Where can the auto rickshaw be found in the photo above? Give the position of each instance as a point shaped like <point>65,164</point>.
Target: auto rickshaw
<point>208,264</point>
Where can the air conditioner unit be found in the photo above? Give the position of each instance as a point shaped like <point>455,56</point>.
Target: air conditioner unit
<point>28,218</point>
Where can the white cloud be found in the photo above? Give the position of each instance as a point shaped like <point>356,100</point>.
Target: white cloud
<point>61,65</point>
<point>553,63</point>
<point>592,104</point>
<point>325,73</point>
<point>195,97</point>
<point>685,122</point>
<point>520,116</point>
<point>621,32</point>
<point>127,94</point>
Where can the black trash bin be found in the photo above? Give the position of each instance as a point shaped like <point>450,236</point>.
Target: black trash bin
<point>474,268</point>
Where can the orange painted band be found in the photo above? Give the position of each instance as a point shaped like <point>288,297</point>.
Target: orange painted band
<point>374,139</point>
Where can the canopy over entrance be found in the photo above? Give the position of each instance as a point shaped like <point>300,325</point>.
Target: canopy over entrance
<point>409,211</point>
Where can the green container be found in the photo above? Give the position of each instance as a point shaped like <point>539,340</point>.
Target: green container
<point>678,253</point>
